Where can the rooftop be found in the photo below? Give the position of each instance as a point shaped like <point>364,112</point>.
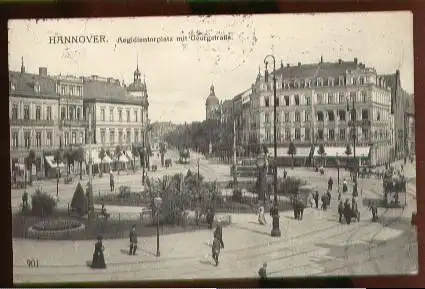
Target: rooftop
<point>29,84</point>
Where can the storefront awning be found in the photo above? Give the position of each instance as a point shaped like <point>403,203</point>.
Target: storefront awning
<point>51,161</point>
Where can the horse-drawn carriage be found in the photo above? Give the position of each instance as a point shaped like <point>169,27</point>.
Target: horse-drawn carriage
<point>184,156</point>
<point>394,190</point>
<point>300,200</point>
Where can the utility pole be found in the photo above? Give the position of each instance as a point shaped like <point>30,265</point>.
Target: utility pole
<point>91,205</point>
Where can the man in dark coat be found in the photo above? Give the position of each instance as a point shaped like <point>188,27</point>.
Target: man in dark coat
<point>355,193</point>
<point>218,233</point>
<point>324,202</point>
<point>328,197</point>
<point>300,206</point>
<point>295,207</point>
<point>330,184</point>
<point>374,210</point>
<point>133,241</point>
<point>216,246</point>
<point>25,200</point>
<point>347,212</point>
<point>316,199</point>
<point>263,271</point>
<point>210,218</point>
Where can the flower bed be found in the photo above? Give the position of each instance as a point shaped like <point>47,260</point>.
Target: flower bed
<point>57,225</point>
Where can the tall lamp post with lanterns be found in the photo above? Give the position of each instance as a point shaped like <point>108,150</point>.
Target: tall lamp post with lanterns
<point>274,211</point>
<point>353,112</point>
<point>157,202</point>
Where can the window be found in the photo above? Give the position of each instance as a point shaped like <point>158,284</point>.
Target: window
<point>352,95</point>
<point>287,117</point>
<point>49,139</point>
<point>15,139</point>
<point>297,134</point>
<point>128,137</point>
<point>74,138</point>
<point>308,100</point>
<point>26,112</point>
<point>355,81</point>
<point>111,137</point>
<point>27,139</point>
<point>102,114</point>
<point>78,91</point>
<point>331,134</point>
<point>364,96</point>
<point>15,111</point>
<point>302,83</point>
<point>111,114</point>
<point>297,99</point>
<point>49,113</point>
<point>286,100</point>
<point>365,133</point>
<point>342,134</point>
<point>62,90</point>
<point>128,116</point>
<point>102,136</point>
<point>63,113</point>
<point>267,136</point>
<point>287,134</point>
<point>319,98</point>
<point>135,115</point>
<point>136,136</point>
<point>341,115</point>
<point>365,114</point>
<point>341,80</point>
<point>320,116</point>
<point>71,89</point>
<point>330,98</point>
<point>307,116</point>
<point>378,116</point>
<point>38,139</point>
<point>81,137</point>
<point>277,100</point>
<point>266,117</point>
<point>320,134</point>
<point>66,138</point>
<point>267,101</point>
<point>353,114</point>
<point>341,97</point>
<point>120,136</point>
<point>331,116</point>
<point>71,112</point>
<point>38,112</point>
<point>307,133</point>
<point>297,117</point>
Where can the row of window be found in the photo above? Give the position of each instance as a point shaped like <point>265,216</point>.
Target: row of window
<point>122,137</point>
<point>74,90</point>
<point>286,135</point>
<point>38,141</point>
<point>321,82</point>
<point>120,115</point>
<point>27,112</point>
<point>298,100</point>
<point>72,112</point>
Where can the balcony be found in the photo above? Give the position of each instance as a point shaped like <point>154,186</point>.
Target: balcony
<point>32,122</point>
<point>73,123</point>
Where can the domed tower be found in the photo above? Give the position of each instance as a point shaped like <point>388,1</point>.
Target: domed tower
<point>212,105</point>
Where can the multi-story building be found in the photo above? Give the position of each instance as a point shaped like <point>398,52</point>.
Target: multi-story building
<point>33,115</point>
<point>312,108</point>
<point>410,130</point>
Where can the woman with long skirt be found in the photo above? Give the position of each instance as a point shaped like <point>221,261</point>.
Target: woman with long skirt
<point>98,257</point>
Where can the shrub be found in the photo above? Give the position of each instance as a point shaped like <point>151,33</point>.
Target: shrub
<point>124,191</point>
<point>57,225</point>
<point>237,195</point>
<point>42,204</point>
<point>289,185</point>
<point>79,201</point>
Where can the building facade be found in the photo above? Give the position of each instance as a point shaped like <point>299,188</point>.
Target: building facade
<point>323,103</point>
<point>33,115</point>
<point>212,106</point>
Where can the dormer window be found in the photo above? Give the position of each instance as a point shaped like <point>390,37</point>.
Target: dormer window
<point>12,86</point>
<point>36,87</point>
<point>341,80</point>
<point>302,83</point>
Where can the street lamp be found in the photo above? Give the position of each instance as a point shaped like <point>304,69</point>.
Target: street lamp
<point>157,202</point>
<point>337,165</point>
<point>275,210</point>
<point>262,166</point>
<point>353,112</point>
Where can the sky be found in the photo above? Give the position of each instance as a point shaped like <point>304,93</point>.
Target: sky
<point>179,73</point>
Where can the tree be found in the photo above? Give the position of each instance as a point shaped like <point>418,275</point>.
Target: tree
<point>292,150</point>
<point>162,151</point>
<point>42,204</point>
<point>118,154</point>
<point>321,151</point>
<point>30,161</point>
<point>79,157</point>
<point>102,155</point>
<point>58,157</point>
<point>79,201</point>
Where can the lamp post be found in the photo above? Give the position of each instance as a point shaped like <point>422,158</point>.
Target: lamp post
<point>353,112</point>
<point>158,202</point>
<point>275,210</point>
<point>262,167</point>
<point>337,165</point>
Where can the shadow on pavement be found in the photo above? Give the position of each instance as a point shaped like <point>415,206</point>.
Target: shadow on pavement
<point>126,251</point>
<point>88,263</point>
<point>253,231</point>
<point>204,262</point>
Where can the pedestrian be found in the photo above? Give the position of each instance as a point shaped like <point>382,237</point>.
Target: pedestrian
<point>112,181</point>
<point>340,210</point>
<point>98,261</point>
<point>216,246</point>
<point>210,219</point>
<point>285,173</point>
<point>355,193</point>
<point>316,199</point>
<point>330,183</point>
<point>324,202</point>
<point>261,217</point>
<point>301,206</point>
<point>295,207</point>
<point>344,186</point>
<point>133,241</point>
<point>25,200</point>
<point>328,196</point>
<point>218,233</point>
<point>263,271</point>
<point>374,210</point>
<point>347,212</point>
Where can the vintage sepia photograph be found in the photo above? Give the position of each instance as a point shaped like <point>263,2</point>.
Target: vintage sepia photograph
<point>190,147</point>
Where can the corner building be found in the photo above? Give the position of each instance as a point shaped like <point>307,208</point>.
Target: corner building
<point>312,102</point>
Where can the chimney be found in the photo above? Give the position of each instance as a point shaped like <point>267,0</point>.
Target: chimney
<point>340,61</point>
<point>287,64</point>
<point>299,64</point>
<point>42,71</point>
<point>355,60</point>
<point>321,59</point>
